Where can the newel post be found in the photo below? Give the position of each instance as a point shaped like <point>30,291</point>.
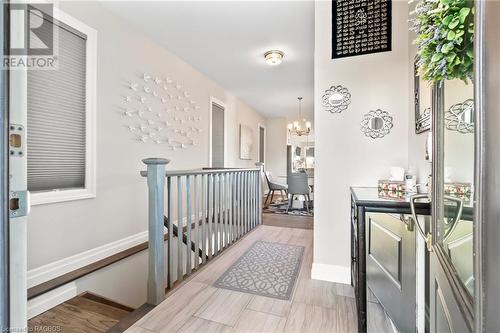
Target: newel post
<point>260,189</point>
<point>156,243</point>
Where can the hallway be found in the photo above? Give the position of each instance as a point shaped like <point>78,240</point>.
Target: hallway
<point>197,306</point>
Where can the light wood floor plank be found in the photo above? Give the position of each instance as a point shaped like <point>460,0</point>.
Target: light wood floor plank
<point>347,321</point>
<point>269,305</point>
<point>172,313</point>
<point>138,329</point>
<point>195,324</point>
<point>315,306</point>
<point>254,321</point>
<point>311,318</point>
<point>225,306</point>
<point>314,292</point>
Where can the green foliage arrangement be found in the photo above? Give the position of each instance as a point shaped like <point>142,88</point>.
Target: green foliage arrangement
<point>445,35</point>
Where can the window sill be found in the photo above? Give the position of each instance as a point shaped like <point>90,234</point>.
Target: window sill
<point>49,197</point>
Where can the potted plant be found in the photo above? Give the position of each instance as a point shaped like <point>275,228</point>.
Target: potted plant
<point>445,36</point>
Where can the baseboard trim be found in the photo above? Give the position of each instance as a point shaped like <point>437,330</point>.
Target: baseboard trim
<point>51,299</point>
<point>331,273</point>
<point>55,269</point>
<point>58,268</point>
<point>56,274</point>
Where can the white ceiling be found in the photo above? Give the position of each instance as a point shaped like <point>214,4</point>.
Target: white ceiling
<point>226,41</point>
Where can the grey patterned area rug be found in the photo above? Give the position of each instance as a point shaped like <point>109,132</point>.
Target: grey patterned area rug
<point>266,269</point>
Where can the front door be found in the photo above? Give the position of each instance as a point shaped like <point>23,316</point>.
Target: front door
<point>453,224</point>
<point>463,292</point>
<point>451,274</point>
<point>451,240</point>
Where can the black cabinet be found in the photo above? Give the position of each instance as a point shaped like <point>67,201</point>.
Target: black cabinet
<point>358,266</point>
<point>383,255</point>
<point>391,267</point>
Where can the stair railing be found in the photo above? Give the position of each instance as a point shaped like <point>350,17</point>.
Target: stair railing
<point>204,212</point>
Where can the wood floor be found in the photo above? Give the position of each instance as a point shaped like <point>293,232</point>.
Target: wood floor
<point>288,221</point>
<point>86,313</point>
<point>197,306</point>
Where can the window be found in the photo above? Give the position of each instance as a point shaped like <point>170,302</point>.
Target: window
<point>61,118</point>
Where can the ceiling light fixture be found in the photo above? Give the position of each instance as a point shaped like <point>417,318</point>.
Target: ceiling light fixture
<point>274,57</point>
<point>295,127</point>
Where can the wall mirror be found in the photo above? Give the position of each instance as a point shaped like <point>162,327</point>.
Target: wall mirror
<point>376,124</point>
<point>460,117</point>
<point>336,99</point>
<point>423,102</point>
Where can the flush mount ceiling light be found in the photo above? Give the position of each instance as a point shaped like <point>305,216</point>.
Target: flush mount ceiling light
<point>274,57</point>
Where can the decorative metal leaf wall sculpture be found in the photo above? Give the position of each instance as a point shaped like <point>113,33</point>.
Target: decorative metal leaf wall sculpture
<point>159,111</point>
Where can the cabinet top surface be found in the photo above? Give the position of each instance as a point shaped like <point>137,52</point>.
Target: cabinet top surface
<point>371,197</point>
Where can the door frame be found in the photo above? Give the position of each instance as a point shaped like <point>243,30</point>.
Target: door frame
<point>259,126</point>
<point>480,166</point>
<point>213,101</point>
<point>486,289</point>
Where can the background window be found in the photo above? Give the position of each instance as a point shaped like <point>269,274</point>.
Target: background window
<point>60,119</point>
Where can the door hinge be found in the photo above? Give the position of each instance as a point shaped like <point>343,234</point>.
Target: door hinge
<point>19,203</point>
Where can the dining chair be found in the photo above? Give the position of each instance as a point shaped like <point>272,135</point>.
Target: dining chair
<point>298,185</point>
<point>274,187</point>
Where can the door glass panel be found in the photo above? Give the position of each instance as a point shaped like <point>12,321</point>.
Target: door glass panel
<point>455,222</point>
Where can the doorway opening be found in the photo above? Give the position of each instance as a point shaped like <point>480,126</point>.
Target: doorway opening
<point>217,158</point>
<point>262,143</point>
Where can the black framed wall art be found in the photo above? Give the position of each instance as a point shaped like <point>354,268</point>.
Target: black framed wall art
<point>361,27</point>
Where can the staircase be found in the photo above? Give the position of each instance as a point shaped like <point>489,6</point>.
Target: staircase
<point>87,313</point>
<point>203,211</point>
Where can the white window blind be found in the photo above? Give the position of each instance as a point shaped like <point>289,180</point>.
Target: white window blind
<point>56,127</point>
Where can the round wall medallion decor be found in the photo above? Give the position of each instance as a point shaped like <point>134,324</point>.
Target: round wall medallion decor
<point>336,99</point>
<point>376,124</point>
<point>460,117</point>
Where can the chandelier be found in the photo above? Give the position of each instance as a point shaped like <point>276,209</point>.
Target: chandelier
<point>299,127</point>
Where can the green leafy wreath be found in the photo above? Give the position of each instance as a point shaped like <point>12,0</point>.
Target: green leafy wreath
<point>445,36</point>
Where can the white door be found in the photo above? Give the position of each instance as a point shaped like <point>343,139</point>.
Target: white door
<point>22,30</point>
<point>4,190</point>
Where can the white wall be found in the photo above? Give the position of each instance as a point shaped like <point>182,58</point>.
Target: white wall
<point>344,156</point>
<point>57,231</point>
